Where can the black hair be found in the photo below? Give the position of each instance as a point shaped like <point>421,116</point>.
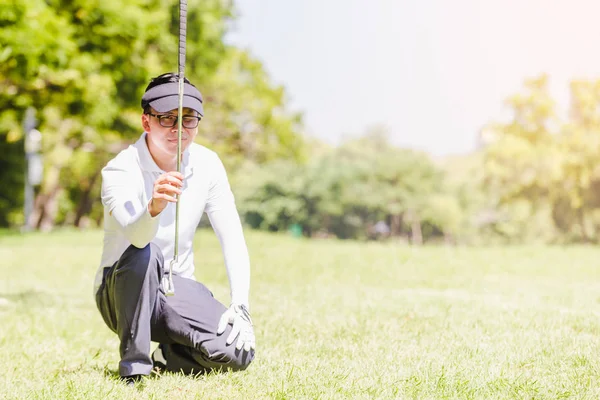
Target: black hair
<point>168,77</point>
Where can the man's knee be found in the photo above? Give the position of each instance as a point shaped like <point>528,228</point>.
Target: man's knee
<point>140,259</point>
<point>228,357</point>
<point>241,359</point>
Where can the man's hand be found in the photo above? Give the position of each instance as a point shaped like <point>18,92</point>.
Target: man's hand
<point>166,187</point>
<point>238,316</point>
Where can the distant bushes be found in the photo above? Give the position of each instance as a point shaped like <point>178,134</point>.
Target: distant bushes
<point>364,189</point>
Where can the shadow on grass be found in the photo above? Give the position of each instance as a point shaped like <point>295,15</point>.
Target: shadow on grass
<point>155,374</point>
<point>28,298</point>
<point>113,376</point>
<point>108,373</point>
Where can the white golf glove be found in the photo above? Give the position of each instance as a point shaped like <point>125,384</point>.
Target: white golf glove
<point>238,316</point>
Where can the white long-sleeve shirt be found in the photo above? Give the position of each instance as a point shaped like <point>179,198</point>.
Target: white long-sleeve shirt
<point>127,186</point>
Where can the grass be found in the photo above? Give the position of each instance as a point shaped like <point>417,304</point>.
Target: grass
<point>334,320</point>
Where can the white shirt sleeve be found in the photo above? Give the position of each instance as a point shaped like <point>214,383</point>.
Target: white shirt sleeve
<point>122,197</point>
<point>225,220</point>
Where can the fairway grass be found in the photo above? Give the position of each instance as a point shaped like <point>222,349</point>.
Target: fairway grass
<point>333,320</point>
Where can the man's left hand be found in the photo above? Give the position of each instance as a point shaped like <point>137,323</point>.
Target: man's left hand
<point>238,316</point>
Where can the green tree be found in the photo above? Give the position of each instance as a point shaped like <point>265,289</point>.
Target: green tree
<point>577,195</point>
<point>83,65</point>
<point>347,190</point>
<point>520,163</point>
<point>246,114</point>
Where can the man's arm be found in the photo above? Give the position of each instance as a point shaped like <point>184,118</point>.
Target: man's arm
<point>225,220</point>
<point>228,228</point>
<point>121,196</point>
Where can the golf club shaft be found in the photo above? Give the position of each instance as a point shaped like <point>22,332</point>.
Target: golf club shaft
<point>181,67</point>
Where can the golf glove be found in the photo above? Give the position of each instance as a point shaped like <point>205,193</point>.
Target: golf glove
<point>238,316</point>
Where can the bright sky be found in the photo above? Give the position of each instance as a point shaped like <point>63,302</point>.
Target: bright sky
<point>432,71</point>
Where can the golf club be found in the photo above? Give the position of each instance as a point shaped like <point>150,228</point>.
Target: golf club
<point>170,287</point>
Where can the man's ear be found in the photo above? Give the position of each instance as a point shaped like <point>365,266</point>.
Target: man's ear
<point>146,122</point>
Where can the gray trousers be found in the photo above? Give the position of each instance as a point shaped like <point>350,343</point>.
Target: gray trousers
<point>134,306</point>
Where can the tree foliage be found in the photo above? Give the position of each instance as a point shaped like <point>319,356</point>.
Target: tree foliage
<point>83,66</point>
<point>542,171</point>
<point>348,190</point>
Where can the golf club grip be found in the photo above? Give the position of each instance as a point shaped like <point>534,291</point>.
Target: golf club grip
<point>182,35</point>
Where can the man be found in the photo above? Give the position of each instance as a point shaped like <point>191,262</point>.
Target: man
<point>195,332</point>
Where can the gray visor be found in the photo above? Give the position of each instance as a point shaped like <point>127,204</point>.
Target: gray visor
<point>165,97</point>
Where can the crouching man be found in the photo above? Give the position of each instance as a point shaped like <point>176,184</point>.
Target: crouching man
<point>195,332</point>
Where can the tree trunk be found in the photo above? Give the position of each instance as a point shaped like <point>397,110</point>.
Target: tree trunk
<point>45,209</point>
<point>46,206</point>
<point>85,203</point>
<point>415,228</point>
<point>584,233</point>
<point>417,235</point>
<point>395,225</point>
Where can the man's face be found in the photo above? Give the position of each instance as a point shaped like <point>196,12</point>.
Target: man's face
<point>163,136</point>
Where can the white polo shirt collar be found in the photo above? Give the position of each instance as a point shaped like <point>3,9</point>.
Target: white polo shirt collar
<point>149,165</point>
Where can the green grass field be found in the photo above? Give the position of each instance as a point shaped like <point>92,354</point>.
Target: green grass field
<point>334,320</point>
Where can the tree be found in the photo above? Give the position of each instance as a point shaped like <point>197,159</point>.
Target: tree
<point>84,64</point>
<point>520,163</point>
<point>577,194</point>
<point>246,114</point>
<point>347,191</point>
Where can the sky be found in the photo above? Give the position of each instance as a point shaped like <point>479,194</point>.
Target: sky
<point>433,72</point>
